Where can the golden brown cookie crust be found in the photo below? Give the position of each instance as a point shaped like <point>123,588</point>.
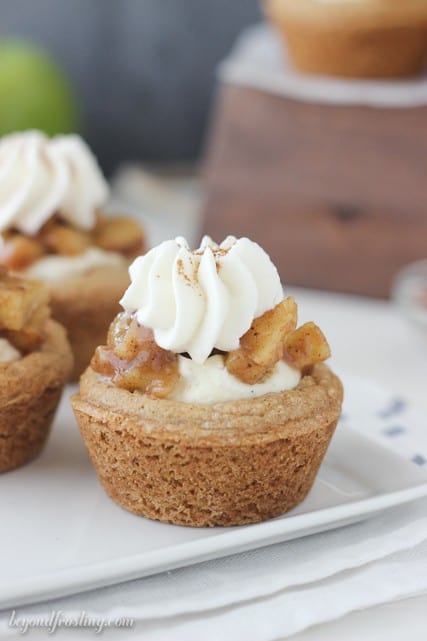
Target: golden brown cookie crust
<point>30,389</point>
<point>353,16</point>
<point>85,305</point>
<point>224,464</point>
<point>353,39</point>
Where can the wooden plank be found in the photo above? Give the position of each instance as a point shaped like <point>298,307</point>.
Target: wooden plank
<point>337,195</point>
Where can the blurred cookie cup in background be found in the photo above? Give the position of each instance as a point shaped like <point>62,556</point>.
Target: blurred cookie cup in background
<point>353,38</point>
<point>51,196</point>
<point>35,363</point>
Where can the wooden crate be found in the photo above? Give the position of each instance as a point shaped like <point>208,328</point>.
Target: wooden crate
<point>337,195</point>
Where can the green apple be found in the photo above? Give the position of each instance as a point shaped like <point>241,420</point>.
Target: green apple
<point>34,91</point>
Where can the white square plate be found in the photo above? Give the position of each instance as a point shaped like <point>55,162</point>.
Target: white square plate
<point>60,534</point>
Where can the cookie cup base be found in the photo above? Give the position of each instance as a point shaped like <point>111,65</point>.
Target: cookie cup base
<point>204,465</point>
<point>391,53</point>
<point>30,390</point>
<point>352,39</point>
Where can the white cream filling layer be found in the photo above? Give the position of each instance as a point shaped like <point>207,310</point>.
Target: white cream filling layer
<point>8,352</point>
<point>55,268</point>
<point>210,382</point>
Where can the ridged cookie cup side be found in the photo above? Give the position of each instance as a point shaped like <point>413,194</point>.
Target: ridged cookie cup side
<point>30,390</point>
<point>204,465</point>
<point>85,305</point>
<point>393,54</point>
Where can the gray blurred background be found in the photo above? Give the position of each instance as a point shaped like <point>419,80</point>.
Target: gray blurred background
<point>144,70</point>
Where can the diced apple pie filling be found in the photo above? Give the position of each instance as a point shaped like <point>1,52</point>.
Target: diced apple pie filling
<point>23,311</point>
<point>119,234</point>
<point>134,361</point>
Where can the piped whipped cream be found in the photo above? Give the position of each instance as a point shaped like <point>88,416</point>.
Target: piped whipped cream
<point>211,382</point>
<point>56,268</point>
<point>195,301</point>
<point>8,352</point>
<point>40,176</point>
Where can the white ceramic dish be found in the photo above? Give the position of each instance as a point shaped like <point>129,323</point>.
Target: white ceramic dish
<point>60,534</point>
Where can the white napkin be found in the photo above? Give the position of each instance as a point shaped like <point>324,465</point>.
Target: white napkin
<point>266,594</point>
<point>279,590</point>
<point>258,61</point>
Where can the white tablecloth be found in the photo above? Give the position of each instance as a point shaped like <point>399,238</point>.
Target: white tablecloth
<point>370,335</point>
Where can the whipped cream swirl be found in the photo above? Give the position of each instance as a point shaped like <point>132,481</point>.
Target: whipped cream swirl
<point>195,301</point>
<point>40,176</point>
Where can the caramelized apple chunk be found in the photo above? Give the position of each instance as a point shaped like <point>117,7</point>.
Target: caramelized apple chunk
<point>150,372</point>
<point>242,366</point>
<point>264,338</point>
<point>125,336</point>
<point>262,345</point>
<point>120,234</point>
<point>61,239</point>
<point>23,311</point>
<point>134,361</point>
<point>19,252</point>
<point>28,338</point>
<point>20,301</point>
<point>305,347</point>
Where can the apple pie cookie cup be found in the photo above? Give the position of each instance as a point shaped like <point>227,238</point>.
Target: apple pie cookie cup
<point>356,39</point>
<point>30,390</point>
<point>228,463</point>
<point>55,230</point>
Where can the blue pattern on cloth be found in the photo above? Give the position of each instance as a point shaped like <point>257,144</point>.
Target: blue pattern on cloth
<point>395,430</point>
<point>387,418</point>
<point>395,406</point>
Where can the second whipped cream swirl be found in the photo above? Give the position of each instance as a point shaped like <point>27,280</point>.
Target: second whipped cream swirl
<point>40,176</point>
<point>195,301</point>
